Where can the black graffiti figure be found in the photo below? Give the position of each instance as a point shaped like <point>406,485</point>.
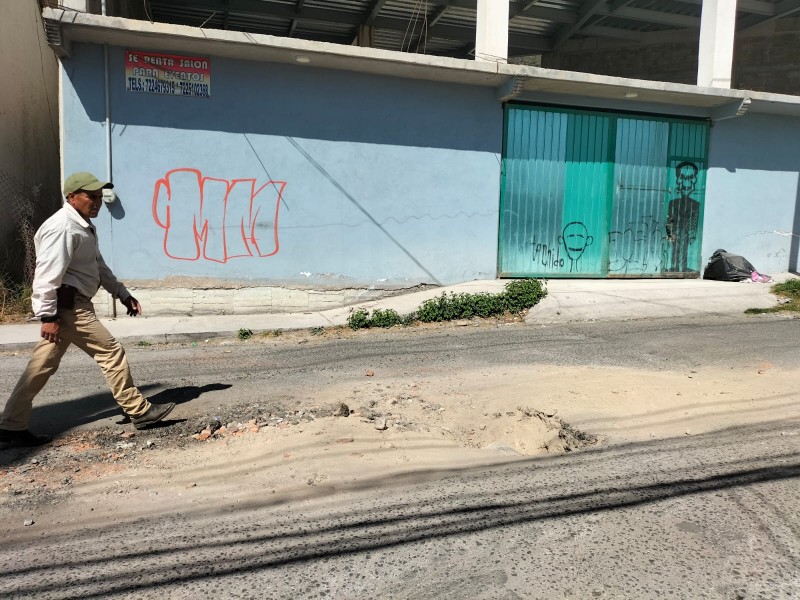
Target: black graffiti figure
<point>683,217</point>
<point>575,238</point>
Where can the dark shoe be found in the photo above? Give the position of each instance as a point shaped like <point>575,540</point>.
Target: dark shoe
<point>22,439</point>
<point>154,414</point>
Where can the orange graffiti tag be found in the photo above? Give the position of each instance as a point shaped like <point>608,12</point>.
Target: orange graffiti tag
<point>216,219</point>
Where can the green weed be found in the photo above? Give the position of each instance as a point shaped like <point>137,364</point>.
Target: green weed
<point>245,334</point>
<point>518,295</point>
<point>358,319</point>
<point>790,288</point>
<point>408,319</point>
<point>385,318</point>
<point>789,294</point>
<point>523,294</point>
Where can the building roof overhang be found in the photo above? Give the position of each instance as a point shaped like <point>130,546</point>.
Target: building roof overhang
<point>449,27</point>
<point>519,82</point>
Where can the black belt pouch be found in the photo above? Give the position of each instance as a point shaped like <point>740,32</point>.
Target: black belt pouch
<point>65,297</point>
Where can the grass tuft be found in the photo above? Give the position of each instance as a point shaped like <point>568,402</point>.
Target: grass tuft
<point>519,295</point>
<point>15,301</point>
<point>788,294</point>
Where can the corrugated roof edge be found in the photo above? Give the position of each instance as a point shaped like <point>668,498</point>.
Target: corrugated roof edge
<point>143,35</point>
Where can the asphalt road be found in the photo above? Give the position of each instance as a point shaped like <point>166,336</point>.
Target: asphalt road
<point>287,369</point>
<point>708,516</point>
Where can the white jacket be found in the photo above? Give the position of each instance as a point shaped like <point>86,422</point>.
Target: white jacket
<point>67,252</point>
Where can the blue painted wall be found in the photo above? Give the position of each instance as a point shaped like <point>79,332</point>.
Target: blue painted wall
<point>376,180</point>
<point>382,181</point>
<point>752,203</point>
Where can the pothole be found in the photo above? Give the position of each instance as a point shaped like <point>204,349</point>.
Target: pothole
<point>524,431</point>
<point>47,474</point>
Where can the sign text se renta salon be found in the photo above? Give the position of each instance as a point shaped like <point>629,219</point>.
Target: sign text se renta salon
<point>169,74</point>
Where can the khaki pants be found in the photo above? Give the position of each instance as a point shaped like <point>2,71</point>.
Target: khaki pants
<point>80,327</point>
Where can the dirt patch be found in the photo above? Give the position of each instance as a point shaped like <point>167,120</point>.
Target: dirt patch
<point>379,410</point>
<point>53,471</point>
<point>374,430</point>
<point>523,430</point>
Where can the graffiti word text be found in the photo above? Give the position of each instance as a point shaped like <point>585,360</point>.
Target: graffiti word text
<point>216,219</point>
<point>547,256</point>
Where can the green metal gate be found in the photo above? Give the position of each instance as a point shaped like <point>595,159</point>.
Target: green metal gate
<point>597,194</point>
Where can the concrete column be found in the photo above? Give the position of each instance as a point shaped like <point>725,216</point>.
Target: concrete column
<point>715,55</point>
<point>365,37</point>
<point>491,31</point>
<point>79,5</point>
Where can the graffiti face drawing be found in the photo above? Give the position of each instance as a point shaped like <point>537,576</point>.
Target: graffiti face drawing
<point>575,238</point>
<point>686,178</point>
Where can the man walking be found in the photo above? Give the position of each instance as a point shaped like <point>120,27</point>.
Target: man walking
<point>69,271</point>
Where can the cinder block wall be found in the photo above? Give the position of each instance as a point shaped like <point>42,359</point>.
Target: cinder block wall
<point>765,58</point>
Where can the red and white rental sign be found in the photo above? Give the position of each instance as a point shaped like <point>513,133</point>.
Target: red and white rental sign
<point>170,74</point>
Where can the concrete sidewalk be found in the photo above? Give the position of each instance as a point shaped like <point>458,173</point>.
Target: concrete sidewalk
<point>568,300</point>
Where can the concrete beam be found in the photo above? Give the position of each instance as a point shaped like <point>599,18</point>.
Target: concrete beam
<point>354,20</point>
<point>295,22</point>
<point>422,39</point>
<point>562,86</point>
<point>615,5</point>
<point>491,31</point>
<point>715,53</point>
<point>374,11</point>
<point>755,7</point>
<point>79,5</point>
<point>650,16</point>
<point>587,11</point>
<point>365,37</point>
<point>613,32</point>
<point>510,89</point>
<point>786,8</point>
<point>731,110</point>
<point>531,9</point>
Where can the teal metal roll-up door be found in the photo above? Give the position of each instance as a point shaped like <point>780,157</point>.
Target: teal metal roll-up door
<point>597,194</point>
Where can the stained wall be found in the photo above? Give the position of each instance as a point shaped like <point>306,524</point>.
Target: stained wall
<point>29,166</point>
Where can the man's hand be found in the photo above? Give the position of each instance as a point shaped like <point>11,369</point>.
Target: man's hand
<point>51,331</point>
<point>133,306</point>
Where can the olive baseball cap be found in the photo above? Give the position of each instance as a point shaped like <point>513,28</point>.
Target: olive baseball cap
<point>84,181</point>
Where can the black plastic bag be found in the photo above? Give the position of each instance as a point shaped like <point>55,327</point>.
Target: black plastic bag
<point>724,266</point>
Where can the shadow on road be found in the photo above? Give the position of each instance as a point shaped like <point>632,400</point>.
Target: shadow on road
<point>63,416</point>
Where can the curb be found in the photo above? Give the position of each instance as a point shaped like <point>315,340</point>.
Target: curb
<point>156,338</point>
